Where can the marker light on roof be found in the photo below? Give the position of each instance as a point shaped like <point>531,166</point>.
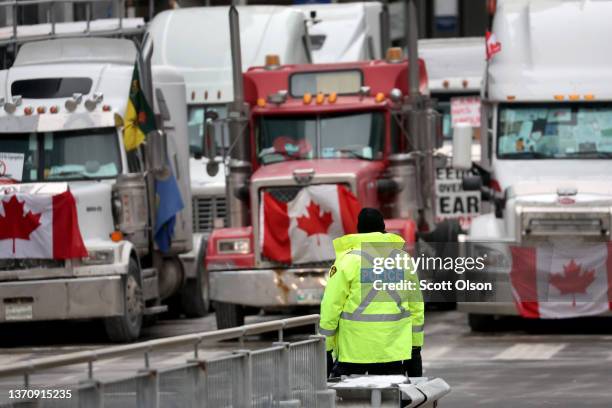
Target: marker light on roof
<point>445,84</point>
<point>307,98</point>
<point>106,108</point>
<point>54,109</point>
<point>261,102</point>
<point>589,97</point>
<point>464,83</point>
<point>40,110</point>
<point>510,97</point>
<point>559,97</point>
<point>272,61</point>
<point>380,97</point>
<point>27,110</point>
<point>574,97</point>
<point>320,98</point>
<point>394,55</point>
<point>332,97</point>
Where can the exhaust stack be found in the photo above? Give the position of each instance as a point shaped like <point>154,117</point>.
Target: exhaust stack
<point>239,167</point>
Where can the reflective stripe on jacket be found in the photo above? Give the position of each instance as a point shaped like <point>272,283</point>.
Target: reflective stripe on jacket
<point>364,324</point>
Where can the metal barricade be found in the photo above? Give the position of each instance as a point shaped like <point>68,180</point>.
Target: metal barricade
<point>283,375</point>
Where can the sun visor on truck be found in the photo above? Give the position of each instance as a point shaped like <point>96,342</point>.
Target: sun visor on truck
<point>56,122</point>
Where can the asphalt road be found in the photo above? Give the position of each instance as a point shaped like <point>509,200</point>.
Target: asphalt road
<point>527,364</point>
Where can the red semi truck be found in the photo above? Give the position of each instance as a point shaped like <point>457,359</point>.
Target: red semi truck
<point>309,145</point>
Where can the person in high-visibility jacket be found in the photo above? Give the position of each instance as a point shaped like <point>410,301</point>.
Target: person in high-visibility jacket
<point>370,328</point>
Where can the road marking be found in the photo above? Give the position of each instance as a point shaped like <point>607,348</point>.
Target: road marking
<point>530,351</point>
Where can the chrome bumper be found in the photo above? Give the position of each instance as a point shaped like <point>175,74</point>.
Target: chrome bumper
<point>269,287</point>
<point>61,299</point>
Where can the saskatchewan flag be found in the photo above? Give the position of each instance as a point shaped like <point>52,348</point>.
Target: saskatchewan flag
<point>139,117</point>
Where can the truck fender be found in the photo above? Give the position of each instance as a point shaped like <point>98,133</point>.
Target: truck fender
<point>127,251</point>
<point>193,259</point>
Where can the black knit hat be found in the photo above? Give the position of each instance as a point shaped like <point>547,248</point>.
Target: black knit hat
<point>370,220</point>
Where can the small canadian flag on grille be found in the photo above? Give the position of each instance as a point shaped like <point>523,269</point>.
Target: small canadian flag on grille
<point>302,230</point>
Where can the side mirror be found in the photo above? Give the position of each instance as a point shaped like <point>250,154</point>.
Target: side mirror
<point>462,146</point>
<point>157,152</point>
<point>209,148</point>
<point>472,183</point>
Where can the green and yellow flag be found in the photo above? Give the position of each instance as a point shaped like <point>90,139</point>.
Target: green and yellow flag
<point>139,117</point>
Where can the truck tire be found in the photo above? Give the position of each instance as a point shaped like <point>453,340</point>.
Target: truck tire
<point>481,322</point>
<point>194,296</point>
<point>228,315</point>
<point>126,328</point>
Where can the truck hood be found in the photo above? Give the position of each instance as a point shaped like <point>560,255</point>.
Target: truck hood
<point>552,173</point>
<point>579,192</point>
<point>319,167</point>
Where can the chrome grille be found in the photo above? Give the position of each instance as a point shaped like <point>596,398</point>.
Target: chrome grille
<point>20,264</point>
<point>206,210</point>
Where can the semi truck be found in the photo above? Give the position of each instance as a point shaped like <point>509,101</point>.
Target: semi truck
<point>310,145</point>
<point>546,163</point>
<point>455,67</point>
<point>347,32</point>
<point>206,67</point>
<point>64,110</point>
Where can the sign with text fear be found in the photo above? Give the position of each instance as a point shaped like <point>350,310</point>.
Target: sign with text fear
<point>451,201</point>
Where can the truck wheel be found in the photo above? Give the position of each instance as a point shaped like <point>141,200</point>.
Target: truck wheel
<point>125,328</point>
<point>195,300</point>
<point>229,315</point>
<point>481,322</point>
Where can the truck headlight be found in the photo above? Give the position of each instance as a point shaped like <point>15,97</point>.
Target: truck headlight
<point>99,257</point>
<point>234,246</point>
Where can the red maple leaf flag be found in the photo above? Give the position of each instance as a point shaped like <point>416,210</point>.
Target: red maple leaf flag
<point>39,226</point>
<point>562,279</point>
<point>573,280</point>
<point>492,45</point>
<point>15,224</point>
<point>302,230</point>
<point>316,222</point>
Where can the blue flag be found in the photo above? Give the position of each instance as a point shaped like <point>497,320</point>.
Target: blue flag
<point>169,202</point>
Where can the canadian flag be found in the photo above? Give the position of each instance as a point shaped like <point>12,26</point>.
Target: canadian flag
<point>302,230</point>
<point>492,45</point>
<point>562,280</point>
<point>40,226</point>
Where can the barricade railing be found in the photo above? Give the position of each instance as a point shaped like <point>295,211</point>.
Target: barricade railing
<point>286,374</point>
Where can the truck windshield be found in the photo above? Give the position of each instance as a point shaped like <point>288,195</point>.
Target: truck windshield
<point>196,126</point>
<point>68,155</point>
<point>359,135</point>
<point>555,131</point>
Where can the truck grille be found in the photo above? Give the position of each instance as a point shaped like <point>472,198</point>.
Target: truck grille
<point>20,264</point>
<point>206,210</point>
<point>284,194</point>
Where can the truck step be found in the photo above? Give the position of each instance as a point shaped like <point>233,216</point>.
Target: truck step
<point>153,310</point>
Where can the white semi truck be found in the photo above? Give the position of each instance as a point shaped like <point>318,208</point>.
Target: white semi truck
<point>347,32</point>
<point>196,42</point>
<point>546,159</point>
<point>63,113</point>
<point>455,67</point>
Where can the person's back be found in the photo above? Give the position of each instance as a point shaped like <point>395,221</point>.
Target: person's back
<point>369,306</point>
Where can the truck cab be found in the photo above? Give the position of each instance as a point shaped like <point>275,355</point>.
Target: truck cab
<point>64,106</point>
<point>546,158</point>
<point>206,67</point>
<point>337,126</point>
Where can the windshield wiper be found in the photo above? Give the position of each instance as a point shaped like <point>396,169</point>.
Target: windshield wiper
<point>524,155</point>
<point>351,152</point>
<point>68,174</point>
<point>598,155</point>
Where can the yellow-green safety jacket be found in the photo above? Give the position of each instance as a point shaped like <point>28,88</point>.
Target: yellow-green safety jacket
<point>363,324</point>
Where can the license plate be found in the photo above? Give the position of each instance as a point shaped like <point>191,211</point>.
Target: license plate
<point>19,311</point>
